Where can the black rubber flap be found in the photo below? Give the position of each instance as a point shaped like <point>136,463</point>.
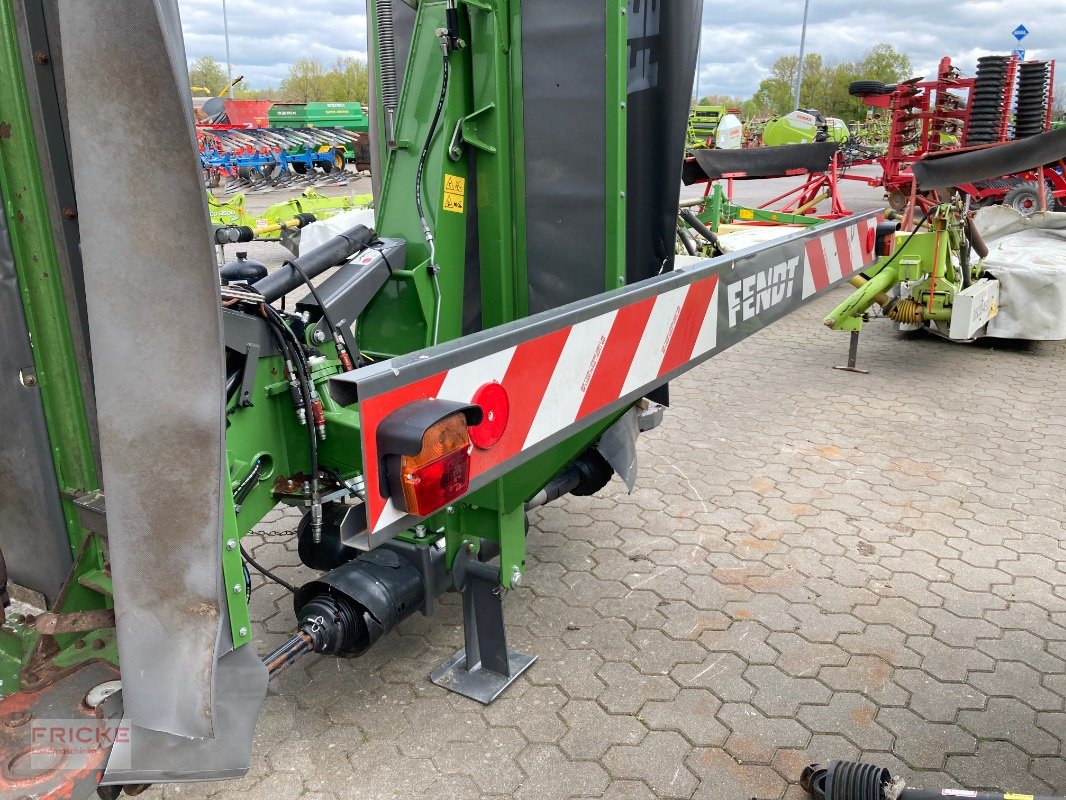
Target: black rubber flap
<point>564,87</point>
<point>958,168</point>
<point>663,40</point>
<point>761,162</point>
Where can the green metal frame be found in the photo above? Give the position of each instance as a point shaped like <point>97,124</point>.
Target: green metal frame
<point>924,260</point>
<point>484,105</point>
<point>44,300</point>
<point>719,210</point>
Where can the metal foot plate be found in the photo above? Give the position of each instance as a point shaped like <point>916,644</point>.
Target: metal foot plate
<point>479,684</point>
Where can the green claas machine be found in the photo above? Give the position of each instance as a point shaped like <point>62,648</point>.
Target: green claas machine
<point>714,126</point>
<point>803,127</point>
<point>963,275</point>
<point>497,342</point>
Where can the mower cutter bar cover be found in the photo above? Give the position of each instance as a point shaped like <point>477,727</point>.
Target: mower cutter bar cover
<point>156,331</point>
<point>759,162</point>
<point>955,168</point>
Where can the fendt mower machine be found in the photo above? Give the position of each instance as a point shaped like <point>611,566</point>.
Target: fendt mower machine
<point>498,341</point>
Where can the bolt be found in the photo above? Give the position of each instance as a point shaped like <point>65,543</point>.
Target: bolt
<point>623,104</point>
<point>28,378</point>
<point>41,57</point>
<point>99,644</point>
<point>621,194</point>
<point>319,336</point>
<point>243,632</point>
<point>420,531</point>
<point>79,645</point>
<point>237,588</point>
<point>450,509</point>
<point>69,213</point>
<point>516,577</point>
<point>231,544</point>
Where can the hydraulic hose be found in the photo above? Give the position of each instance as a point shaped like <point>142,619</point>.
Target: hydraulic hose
<point>697,225</point>
<point>329,254</point>
<point>5,600</point>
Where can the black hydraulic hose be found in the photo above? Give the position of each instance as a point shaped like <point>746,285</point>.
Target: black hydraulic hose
<point>280,330</point>
<point>314,293</point>
<point>329,254</point>
<point>233,380</point>
<point>562,484</point>
<point>240,494</point>
<point>697,225</point>
<point>266,573</point>
<point>5,599</point>
<point>686,240</point>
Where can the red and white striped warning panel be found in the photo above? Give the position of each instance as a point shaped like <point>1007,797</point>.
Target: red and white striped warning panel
<point>565,369</point>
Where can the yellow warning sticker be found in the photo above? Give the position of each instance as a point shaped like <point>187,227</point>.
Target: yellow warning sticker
<point>745,214</point>
<point>1017,797</point>
<point>454,193</point>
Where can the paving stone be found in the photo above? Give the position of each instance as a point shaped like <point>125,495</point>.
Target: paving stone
<point>938,701</point>
<point>755,737</point>
<point>722,777</point>
<point>551,776</point>
<point>1010,720</point>
<point>691,713</point>
<point>869,675</point>
<point>853,716</point>
<point>592,730</point>
<point>1012,678</point>
<point>924,745</point>
<point>778,694</point>
<point>659,761</point>
<point>992,765</point>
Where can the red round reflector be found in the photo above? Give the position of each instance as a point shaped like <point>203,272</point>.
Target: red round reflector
<point>496,411</point>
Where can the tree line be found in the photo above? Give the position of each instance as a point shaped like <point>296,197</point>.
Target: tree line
<point>825,84</point>
<point>343,81</point>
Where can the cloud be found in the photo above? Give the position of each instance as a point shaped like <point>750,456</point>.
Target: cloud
<point>265,38</point>
<point>740,40</point>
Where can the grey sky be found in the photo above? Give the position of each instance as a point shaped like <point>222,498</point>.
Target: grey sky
<point>741,38</point>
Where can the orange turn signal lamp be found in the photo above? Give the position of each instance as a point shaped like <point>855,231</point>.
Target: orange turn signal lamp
<point>424,448</point>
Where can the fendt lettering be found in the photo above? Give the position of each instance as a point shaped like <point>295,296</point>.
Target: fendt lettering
<point>763,290</point>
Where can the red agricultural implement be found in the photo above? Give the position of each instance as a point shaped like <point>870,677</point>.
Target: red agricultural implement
<point>1008,99</point>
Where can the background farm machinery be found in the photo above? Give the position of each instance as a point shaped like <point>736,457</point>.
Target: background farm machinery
<point>940,273</point>
<point>255,144</point>
<point>268,224</point>
<point>1006,100</point>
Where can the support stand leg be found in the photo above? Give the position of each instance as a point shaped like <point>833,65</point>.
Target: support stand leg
<point>853,356</point>
<point>485,667</point>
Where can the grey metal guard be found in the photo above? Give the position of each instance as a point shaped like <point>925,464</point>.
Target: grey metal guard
<point>155,325</point>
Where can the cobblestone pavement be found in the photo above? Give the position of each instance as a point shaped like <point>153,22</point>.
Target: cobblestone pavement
<point>815,565</point>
